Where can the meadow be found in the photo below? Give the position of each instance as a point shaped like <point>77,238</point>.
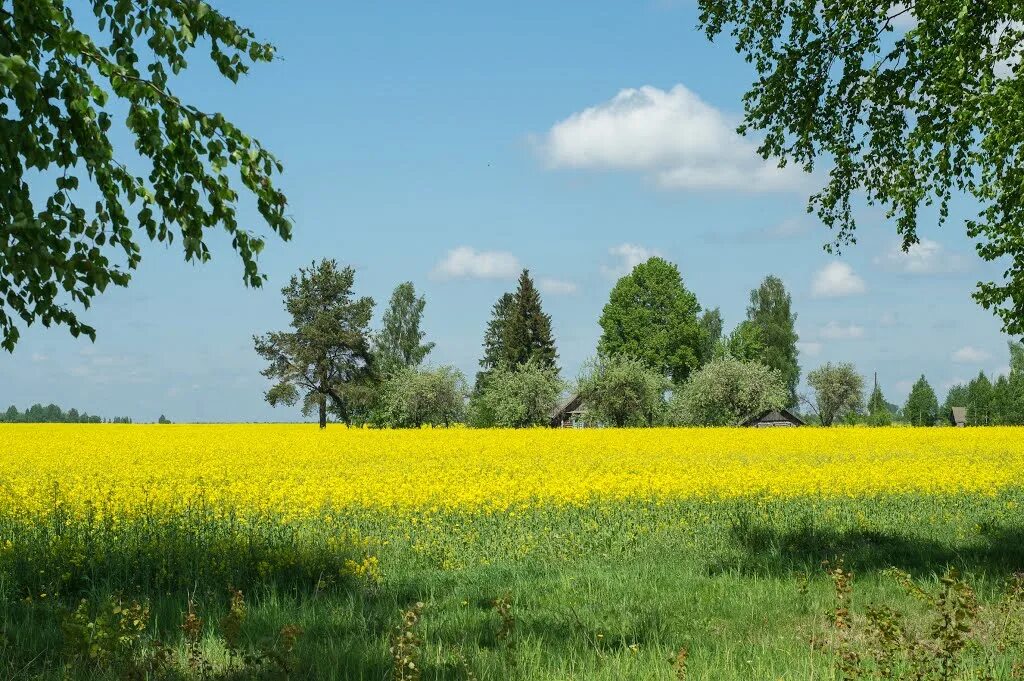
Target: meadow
<point>259,551</point>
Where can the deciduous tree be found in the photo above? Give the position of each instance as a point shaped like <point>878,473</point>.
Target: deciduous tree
<point>326,355</point>
<point>415,396</point>
<point>726,390</point>
<point>838,390</point>
<point>908,116</point>
<point>73,206</point>
<point>399,345</point>
<point>622,391</point>
<point>517,397</point>
<point>771,312</point>
<point>922,408</point>
<point>651,316</point>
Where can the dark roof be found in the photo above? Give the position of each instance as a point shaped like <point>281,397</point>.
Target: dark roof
<point>773,415</point>
<point>571,404</point>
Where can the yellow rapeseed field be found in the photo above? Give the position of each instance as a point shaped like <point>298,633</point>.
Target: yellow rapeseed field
<point>296,471</point>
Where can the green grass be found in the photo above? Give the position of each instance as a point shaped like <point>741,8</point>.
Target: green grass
<point>611,591</point>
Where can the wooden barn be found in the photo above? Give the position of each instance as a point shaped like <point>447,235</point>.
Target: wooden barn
<point>570,414</point>
<point>958,416</point>
<point>773,418</point>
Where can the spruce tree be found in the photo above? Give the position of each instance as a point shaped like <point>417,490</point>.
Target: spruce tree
<point>527,334</point>
<point>494,338</point>
<point>771,311</point>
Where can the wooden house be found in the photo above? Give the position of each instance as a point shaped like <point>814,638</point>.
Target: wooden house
<point>773,418</point>
<point>570,414</point>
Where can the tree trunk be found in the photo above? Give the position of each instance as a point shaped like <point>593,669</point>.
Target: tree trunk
<point>323,411</point>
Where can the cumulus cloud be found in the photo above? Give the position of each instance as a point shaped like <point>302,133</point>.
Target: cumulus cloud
<point>810,348</point>
<point>628,257</point>
<point>970,355</point>
<point>835,280</point>
<point>837,331</point>
<point>465,262</point>
<point>558,287</point>
<point>672,136</point>
<point>925,257</point>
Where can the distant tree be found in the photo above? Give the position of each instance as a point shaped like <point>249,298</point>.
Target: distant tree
<point>494,338</point>
<point>95,419</point>
<point>744,343</point>
<point>622,391</point>
<point>838,390</point>
<point>326,355</point>
<point>725,391</point>
<point>955,397</point>
<point>771,311</point>
<point>527,329</point>
<point>517,397</point>
<point>399,345</point>
<point>72,416</point>
<point>711,324</point>
<point>922,408</point>
<point>979,401</point>
<point>53,414</point>
<point>12,415</point>
<point>416,396</point>
<point>1002,404</point>
<point>651,316</point>
<point>879,413</point>
<point>163,420</point>
<point>77,196</point>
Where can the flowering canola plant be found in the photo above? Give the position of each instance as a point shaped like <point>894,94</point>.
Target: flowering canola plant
<point>295,472</point>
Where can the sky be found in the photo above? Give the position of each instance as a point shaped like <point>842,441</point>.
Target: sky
<point>453,144</point>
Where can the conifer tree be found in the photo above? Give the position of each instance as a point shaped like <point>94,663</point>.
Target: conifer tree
<point>527,334</point>
<point>494,338</point>
<point>922,406</point>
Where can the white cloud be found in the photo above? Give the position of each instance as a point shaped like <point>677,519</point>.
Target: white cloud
<point>970,355</point>
<point>629,256</point>
<point>810,348</point>
<point>835,280</point>
<point>558,287</point>
<point>673,136</point>
<point>465,262</point>
<point>837,331</point>
<point>925,257</point>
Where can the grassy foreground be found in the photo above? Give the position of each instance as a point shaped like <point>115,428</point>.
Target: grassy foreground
<point>103,575</point>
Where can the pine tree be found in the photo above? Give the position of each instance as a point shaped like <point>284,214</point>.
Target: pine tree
<point>527,334</point>
<point>771,311</point>
<point>878,410</point>
<point>979,401</point>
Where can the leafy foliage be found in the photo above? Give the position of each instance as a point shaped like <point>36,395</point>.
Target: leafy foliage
<point>327,355</point>
<point>651,315</point>
<point>922,408</point>
<point>907,119</point>
<point>60,87</point>
<point>744,343</point>
<point>517,397</point>
<point>399,345</point>
<point>838,390</point>
<point>622,391</point>
<point>771,313</point>
<point>52,413</point>
<point>711,324</point>
<point>415,396</point>
<point>725,391</point>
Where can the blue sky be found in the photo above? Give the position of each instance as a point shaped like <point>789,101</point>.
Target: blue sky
<point>451,144</point>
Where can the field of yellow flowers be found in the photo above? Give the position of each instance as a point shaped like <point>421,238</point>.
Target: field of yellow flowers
<point>296,471</point>
<point>540,554</point>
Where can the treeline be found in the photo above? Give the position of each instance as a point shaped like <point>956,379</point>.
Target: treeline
<point>661,359</point>
<point>51,413</point>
